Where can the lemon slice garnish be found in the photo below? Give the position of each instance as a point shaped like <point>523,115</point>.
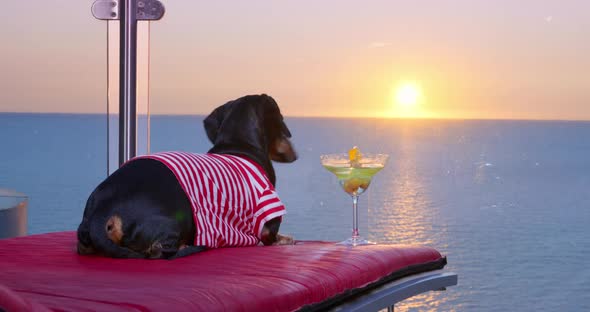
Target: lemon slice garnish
<point>354,155</point>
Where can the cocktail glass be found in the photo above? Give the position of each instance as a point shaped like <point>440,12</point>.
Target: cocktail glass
<point>354,174</point>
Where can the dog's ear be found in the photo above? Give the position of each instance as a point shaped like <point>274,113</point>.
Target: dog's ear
<point>273,116</point>
<point>280,147</point>
<point>213,122</point>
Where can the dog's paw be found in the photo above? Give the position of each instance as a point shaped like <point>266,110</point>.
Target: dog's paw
<point>284,240</point>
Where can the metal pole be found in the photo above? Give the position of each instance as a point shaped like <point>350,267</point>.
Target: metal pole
<point>128,81</point>
<point>128,12</point>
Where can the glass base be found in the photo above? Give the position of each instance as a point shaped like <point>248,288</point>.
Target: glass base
<point>356,241</point>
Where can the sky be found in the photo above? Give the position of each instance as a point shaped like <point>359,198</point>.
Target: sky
<point>502,59</point>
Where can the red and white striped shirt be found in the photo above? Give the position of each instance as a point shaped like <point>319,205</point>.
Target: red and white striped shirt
<point>231,196</point>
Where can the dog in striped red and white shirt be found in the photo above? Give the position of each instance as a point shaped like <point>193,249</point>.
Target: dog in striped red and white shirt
<point>172,204</point>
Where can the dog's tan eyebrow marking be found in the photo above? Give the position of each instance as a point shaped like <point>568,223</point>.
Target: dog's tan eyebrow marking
<point>114,228</point>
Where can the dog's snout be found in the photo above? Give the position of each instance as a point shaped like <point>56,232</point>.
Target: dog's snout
<point>283,151</point>
<point>291,156</point>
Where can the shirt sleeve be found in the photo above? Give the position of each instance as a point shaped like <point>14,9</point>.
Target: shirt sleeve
<point>269,206</point>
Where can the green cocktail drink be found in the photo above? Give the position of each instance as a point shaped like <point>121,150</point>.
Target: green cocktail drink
<point>354,180</point>
<point>354,172</point>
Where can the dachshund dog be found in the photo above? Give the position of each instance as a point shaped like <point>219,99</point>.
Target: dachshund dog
<point>172,204</point>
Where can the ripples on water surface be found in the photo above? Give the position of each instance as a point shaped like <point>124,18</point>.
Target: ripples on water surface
<point>506,201</point>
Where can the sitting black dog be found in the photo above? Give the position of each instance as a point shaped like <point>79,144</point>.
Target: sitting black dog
<point>173,204</point>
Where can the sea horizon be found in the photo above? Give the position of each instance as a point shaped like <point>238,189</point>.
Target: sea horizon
<point>313,117</point>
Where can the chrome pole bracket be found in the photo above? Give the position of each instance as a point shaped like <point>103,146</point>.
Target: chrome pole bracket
<point>147,10</point>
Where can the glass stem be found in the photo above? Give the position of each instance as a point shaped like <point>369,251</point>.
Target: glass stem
<point>355,217</point>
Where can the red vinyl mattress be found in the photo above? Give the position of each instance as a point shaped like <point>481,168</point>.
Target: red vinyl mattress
<point>44,273</point>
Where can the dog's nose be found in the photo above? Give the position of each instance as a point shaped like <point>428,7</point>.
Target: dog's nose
<point>289,157</point>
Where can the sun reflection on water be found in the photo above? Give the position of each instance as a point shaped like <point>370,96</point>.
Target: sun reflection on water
<point>401,212</point>
<point>427,302</point>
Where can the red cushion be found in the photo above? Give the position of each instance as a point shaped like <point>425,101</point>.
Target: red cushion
<point>42,272</point>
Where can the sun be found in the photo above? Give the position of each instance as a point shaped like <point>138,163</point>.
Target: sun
<point>407,98</point>
<point>408,94</point>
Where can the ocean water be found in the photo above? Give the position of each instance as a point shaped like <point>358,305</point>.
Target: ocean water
<point>508,202</point>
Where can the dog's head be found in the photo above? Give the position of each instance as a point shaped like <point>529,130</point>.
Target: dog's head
<point>252,126</point>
